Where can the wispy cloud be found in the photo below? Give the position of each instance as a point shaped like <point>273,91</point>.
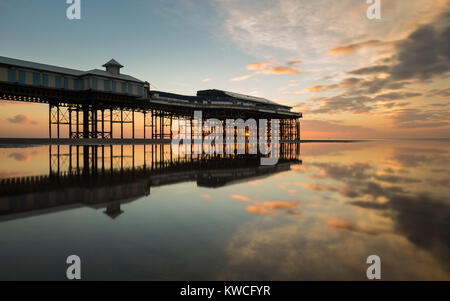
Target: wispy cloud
<point>352,48</point>
<point>319,88</point>
<point>281,70</point>
<point>240,197</point>
<point>370,70</point>
<point>294,63</point>
<point>267,68</point>
<point>272,208</point>
<point>346,225</point>
<point>416,118</point>
<point>241,78</point>
<point>309,27</point>
<point>345,83</point>
<point>258,65</point>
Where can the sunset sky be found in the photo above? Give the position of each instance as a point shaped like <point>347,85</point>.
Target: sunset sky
<point>350,76</point>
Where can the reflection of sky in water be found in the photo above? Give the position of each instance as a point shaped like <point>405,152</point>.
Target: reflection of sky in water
<point>316,220</point>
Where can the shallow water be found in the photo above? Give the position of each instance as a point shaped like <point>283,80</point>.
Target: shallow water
<point>154,215</point>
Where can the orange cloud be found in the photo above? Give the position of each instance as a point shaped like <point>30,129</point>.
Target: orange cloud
<point>315,187</point>
<point>271,208</point>
<point>349,49</point>
<point>258,210</point>
<point>341,224</point>
<point>240,78</point>
<point>206,79</point>
<point>322,88</point>
<point>240,197</point>
<point>258,65</point>
<point>316,98</point>
<point>292,192</point>
<point>281,70</point>
<point>280,205</point>
<point>206,196</point>
<point>345,83</point>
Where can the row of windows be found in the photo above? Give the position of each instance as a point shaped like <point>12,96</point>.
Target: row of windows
<point>60,82</point>
<point>63,82</point>
<point>111,86</point>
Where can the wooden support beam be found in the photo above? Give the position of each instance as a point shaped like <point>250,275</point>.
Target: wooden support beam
<point>161,126</point>
<point>103,125</point>
<point>50,121</point>
<point>144,132</point>
<point>121,123</point>
<point>132,116</point>
<point>111,122</point>
<point>170,129</point>
<point>78,122</point>
<point>57,120</point>
<point>153,125</point>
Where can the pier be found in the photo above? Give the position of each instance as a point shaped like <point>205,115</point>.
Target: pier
<point>87,104</point>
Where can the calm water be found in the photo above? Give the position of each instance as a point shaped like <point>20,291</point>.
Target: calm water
<point>146,213</point>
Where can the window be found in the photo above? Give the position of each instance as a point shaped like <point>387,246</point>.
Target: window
<point>130,89</point>
<point>22,77</point>
<point>11,75</point>
<point>139,89</point>
<point>45,80</point>
<point>94,84</point>
<point>36,79</point>
<point>78,84</point>
<point>124,88</point>
<point>107,85</point>
<point>58,82</point>
<point>113,87</point>
<point>66,83</point>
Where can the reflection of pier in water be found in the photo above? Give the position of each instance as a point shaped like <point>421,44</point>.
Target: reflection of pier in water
<point>99,176</point>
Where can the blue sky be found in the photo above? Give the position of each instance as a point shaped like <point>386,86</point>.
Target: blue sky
<point>172,44</point>
<point>155,41</point>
